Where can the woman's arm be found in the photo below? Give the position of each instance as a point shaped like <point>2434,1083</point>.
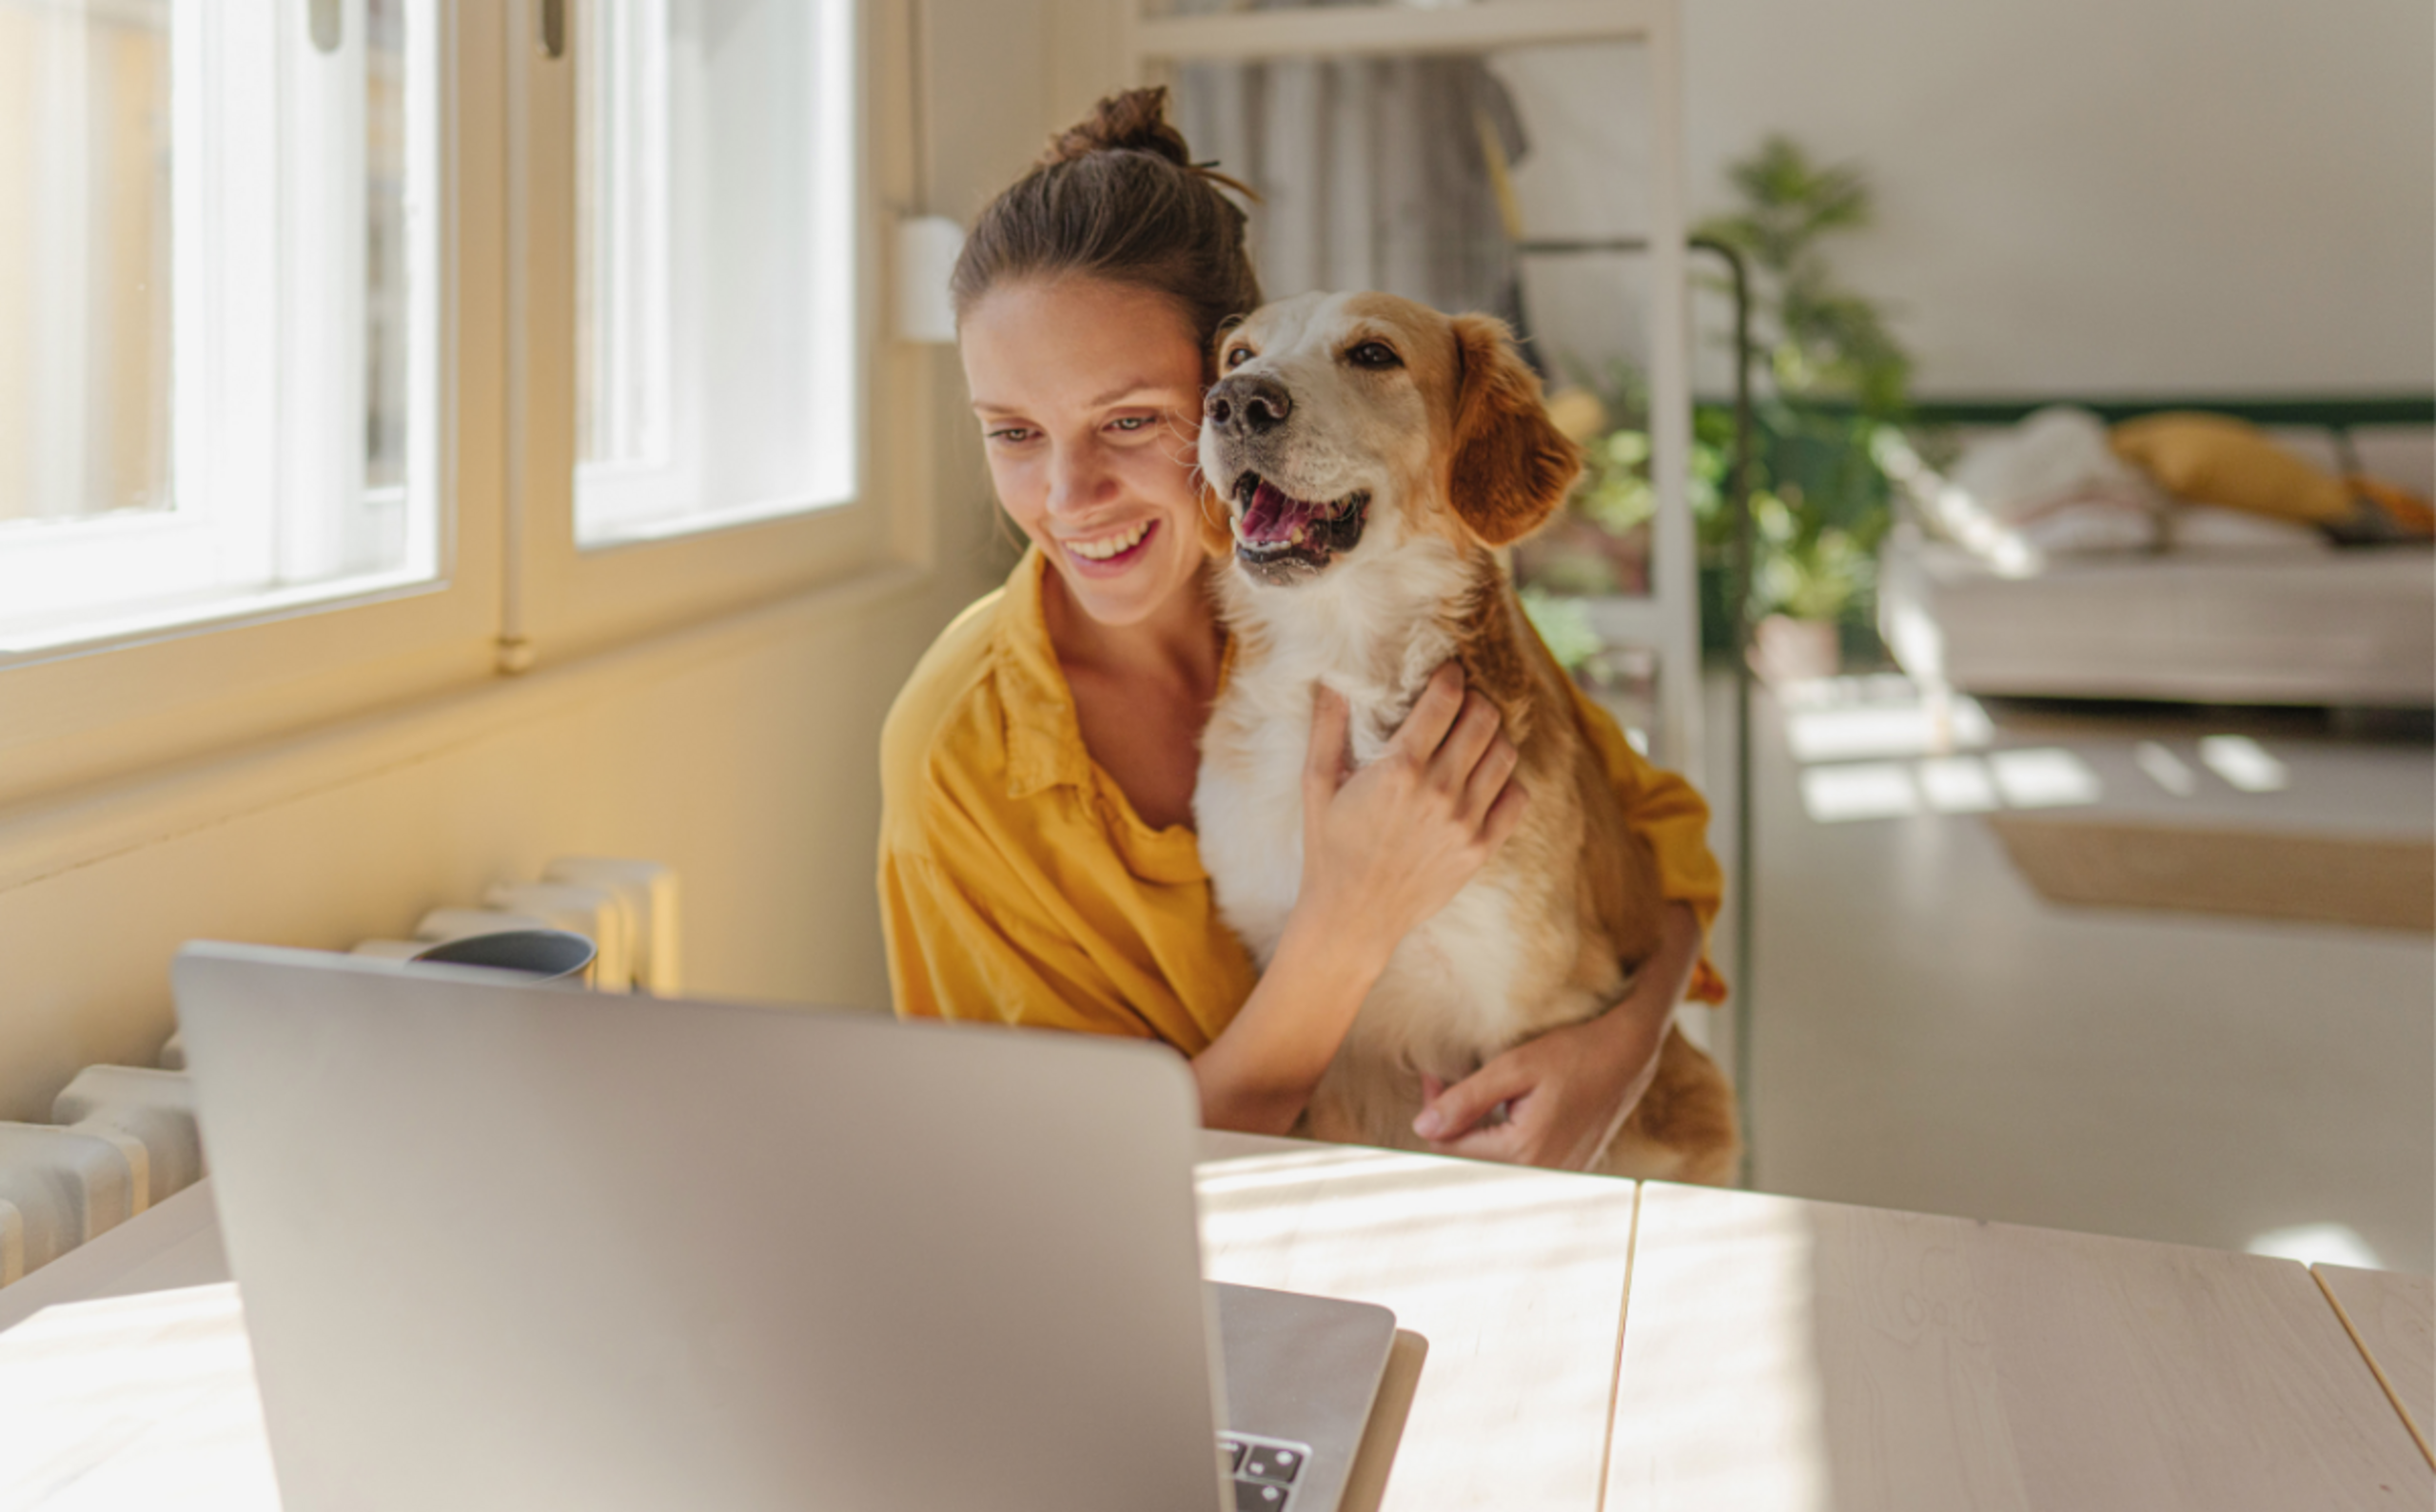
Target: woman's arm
<point>1383,850</point>
<point>1567,1092</point>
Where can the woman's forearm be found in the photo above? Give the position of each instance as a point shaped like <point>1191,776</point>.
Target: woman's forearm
<point>1258,1075</point>
<point>1640,1019</point>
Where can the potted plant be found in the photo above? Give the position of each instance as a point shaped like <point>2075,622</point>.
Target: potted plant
<point>1836,375</point>
<point>1810,576</point>
<point>1832,376</point>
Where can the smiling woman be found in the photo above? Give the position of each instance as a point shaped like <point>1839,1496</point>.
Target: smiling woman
<point>1038,861</point>
<point>1097,474</point>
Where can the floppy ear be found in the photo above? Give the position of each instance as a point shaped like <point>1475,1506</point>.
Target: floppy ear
<point>1217,525</point>
<point>1512,467</point>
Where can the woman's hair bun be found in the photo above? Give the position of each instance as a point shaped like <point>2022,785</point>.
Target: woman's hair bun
<point>1135,121</point>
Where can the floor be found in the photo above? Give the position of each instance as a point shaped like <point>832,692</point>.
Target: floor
<point>1931,1034</point>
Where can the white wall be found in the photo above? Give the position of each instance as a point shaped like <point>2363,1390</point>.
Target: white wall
<point>2074,196</point>
<point>743,752</point>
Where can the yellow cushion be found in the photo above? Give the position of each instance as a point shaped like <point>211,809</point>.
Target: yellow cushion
<point>2214,459</point>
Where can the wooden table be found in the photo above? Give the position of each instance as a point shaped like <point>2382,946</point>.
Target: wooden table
<point>1516,1278</point>
<point>1799,1354</point>
<point>1591,1343</point>
<point>2392,1318</point>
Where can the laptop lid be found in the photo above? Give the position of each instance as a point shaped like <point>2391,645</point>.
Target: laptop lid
<point>507,1246</point>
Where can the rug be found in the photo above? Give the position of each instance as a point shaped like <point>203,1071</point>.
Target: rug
<point>2370,881</point>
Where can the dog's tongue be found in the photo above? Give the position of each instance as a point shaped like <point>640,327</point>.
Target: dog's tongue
<point>1274,516</point>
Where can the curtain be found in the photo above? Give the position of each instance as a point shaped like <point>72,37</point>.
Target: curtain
<point>1383,173</point>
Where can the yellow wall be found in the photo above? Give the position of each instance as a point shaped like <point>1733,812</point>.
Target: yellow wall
<point>745,758</point>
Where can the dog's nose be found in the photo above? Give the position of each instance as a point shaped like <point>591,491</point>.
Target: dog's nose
<point>1247,404</point>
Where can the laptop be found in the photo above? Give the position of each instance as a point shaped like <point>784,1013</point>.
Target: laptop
<point>507,1244</point>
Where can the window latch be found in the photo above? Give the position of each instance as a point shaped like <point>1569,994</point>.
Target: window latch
<point>324,21</point>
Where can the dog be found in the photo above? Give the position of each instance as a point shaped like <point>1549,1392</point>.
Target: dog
<point>1370,453</point>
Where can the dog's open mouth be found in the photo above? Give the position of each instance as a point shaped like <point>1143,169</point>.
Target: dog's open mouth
<point>1280,539</point>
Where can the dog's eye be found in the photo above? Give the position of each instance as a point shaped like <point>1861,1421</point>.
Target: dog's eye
<point>1374,354</point>
<point>1238,356</point>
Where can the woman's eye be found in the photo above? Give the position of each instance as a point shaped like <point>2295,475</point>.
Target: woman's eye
<point>1132,423</point>
<point>1010,433</point>
<point>1238,358</point>
<point>1374,354</point>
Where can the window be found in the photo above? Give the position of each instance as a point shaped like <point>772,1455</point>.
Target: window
<point>218,312</point>
<point>690,214</point>
<point>714,268</point>
<point>310,340</point>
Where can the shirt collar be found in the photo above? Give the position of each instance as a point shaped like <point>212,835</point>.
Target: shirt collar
<point>1044,738</point>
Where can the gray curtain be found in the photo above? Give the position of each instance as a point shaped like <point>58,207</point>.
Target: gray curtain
<point>1373,173</point>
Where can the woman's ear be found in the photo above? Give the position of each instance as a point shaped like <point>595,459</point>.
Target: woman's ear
<point>1512,467</point>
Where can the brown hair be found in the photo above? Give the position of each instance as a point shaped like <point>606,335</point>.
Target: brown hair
<point>1117,196</point>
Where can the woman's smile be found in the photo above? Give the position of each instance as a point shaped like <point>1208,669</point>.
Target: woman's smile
<point>1114,552</point>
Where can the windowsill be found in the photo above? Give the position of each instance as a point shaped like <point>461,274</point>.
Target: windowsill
<point>218,611</point>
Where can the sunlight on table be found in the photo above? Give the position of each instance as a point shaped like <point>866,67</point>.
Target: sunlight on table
<point>1513,1403</point>
<point>1718,1403</point>
<point>135,1403</point>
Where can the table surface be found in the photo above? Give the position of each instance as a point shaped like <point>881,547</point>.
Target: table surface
<point>2393,1318</point>
<point>1782,1353</point>
<point>1591,1343</point>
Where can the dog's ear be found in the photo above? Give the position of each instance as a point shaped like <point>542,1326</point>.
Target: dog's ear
<point>1217,525</point>
<point>1512,467</point>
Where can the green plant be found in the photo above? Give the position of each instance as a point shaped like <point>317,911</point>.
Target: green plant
<point>1821,339</point>
<point>1837,376</point>
<point>1809,574</point>
<point>1600,543</point>
<point>1833,376</point>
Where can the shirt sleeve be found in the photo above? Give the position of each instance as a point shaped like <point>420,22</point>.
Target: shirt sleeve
<point>1672,816</point>
<point>949,956</point>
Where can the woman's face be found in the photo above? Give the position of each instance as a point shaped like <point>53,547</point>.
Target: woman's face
<point>1090,400</point>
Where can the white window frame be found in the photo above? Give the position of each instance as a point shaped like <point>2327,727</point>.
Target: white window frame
<point>267,228</point>
<point>145,693</point>
<point>631,264</point>
<point>511,580</point>
<point>660,263</point>
<point>567,597</point>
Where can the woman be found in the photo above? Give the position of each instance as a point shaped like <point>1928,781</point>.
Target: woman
<point>1037,859</point>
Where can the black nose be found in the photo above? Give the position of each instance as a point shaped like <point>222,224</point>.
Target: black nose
<point>1248,403</point>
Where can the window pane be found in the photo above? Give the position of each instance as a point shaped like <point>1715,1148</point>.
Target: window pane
<point>217,310</point>
<point>85,268</point>
<point>716,344</point>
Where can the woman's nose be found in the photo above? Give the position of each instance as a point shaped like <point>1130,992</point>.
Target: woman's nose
<point>1078,478</point>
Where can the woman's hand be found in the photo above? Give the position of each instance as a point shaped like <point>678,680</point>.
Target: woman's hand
<point>1566,1092</point>
<point>1383,849</point>
<point>1388,846</point>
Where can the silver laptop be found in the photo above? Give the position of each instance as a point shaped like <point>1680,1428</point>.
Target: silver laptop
<point>514,1245</point>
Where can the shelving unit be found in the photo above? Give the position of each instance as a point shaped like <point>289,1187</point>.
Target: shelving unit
<point>1668,624</point>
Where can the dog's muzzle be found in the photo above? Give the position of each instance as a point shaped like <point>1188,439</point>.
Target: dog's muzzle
<point>1279,538</point>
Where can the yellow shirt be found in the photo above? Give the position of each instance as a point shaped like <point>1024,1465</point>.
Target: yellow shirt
<point>1017,883</point>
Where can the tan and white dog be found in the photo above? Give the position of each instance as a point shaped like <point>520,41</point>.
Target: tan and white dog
<point>1372,452</point>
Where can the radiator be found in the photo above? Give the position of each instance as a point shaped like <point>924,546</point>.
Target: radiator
<point>123,1137</point>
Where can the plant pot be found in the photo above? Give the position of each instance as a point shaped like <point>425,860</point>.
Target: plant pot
<point>1785,650</point>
